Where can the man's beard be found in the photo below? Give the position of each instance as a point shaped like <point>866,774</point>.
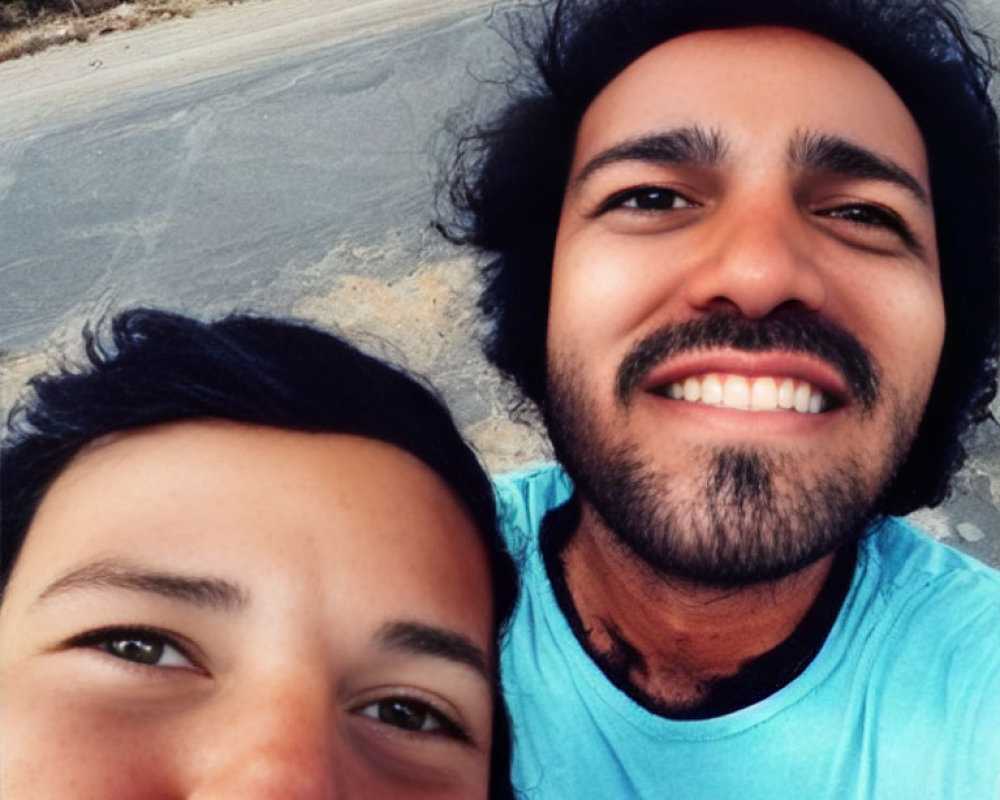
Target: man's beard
<point>739,515</point>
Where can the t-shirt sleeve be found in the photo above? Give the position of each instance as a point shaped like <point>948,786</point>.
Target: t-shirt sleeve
<point>524,498</point>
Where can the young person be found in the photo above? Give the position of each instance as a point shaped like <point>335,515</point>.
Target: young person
<point>743,253</point>
<point>242,559</point>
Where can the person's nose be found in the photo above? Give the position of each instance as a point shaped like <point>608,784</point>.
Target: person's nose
<point>279,743</point>
<point>761,257</point>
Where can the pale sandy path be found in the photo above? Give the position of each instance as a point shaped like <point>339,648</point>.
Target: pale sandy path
<point>58,83</point>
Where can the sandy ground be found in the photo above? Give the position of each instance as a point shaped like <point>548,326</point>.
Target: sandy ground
<point>60,82</point>
<point>23,33</point>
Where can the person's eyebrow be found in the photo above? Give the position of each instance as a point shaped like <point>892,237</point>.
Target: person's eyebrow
<point>689,145</point>
<point>418,638</point>
<point>826,153</point>
<point>213,593</point>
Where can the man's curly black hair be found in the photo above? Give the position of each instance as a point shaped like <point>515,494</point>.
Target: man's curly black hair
<point>506,182</point>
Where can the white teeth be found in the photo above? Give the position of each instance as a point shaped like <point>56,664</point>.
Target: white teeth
<point>757,394</point>
<point>764,395</point>
<point>711,390</point>
<point>736,392</point>
<point>802,393</point>
<point>786,394</point>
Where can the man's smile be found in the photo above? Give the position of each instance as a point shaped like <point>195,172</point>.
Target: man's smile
<point>790,362</point>
<point>748,393</point>
<point>778,382</point>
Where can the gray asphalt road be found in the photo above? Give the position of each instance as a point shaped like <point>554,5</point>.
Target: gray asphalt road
<point>210,191</point>
<point>278,159</point>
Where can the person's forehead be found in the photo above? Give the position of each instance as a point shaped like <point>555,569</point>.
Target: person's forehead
<point>212,487</point>
<point>754,79</point>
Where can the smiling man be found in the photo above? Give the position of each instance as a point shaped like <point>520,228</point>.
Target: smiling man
<point>743,255</point>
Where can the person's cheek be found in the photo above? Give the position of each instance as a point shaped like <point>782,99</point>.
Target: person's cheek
<point>65,748</point>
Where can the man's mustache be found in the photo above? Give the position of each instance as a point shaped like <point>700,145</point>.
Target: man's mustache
<point>787,331</point>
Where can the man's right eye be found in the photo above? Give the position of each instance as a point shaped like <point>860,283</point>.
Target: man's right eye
<point>646,198</point>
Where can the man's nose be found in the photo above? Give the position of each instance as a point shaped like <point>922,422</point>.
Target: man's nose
<point>760,258</point>
<point>274,745</point>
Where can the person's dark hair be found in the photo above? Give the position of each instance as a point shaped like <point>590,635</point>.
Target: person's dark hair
<point>506,182</point>
<point>153,367</point>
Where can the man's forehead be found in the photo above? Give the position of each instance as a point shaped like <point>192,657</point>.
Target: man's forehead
<point>747,82</point>
<point>727,48</point>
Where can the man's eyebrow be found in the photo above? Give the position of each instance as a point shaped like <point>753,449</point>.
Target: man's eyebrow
<point>212,593</point>
<point>428,640</point>
<point>689,145</point>
<point>827,153</point>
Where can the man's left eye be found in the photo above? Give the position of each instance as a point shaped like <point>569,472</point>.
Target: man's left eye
<point>871,215</point>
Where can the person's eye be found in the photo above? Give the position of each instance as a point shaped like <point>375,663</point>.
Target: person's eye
<point>646,199</point>
<point>412,715</point>
<point>871,216</point>
<point>145,646</point>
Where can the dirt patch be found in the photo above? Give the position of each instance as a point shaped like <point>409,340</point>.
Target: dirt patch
<point>28,27</point>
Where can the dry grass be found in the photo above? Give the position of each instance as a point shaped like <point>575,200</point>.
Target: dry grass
<point>29,26</point>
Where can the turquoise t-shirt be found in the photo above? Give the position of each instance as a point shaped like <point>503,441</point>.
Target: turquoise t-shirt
<point>901,703</point>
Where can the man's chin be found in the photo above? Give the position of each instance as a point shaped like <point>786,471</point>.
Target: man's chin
<point>749,518</point>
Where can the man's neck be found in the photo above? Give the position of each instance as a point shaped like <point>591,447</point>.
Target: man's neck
<point>672,641</point>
